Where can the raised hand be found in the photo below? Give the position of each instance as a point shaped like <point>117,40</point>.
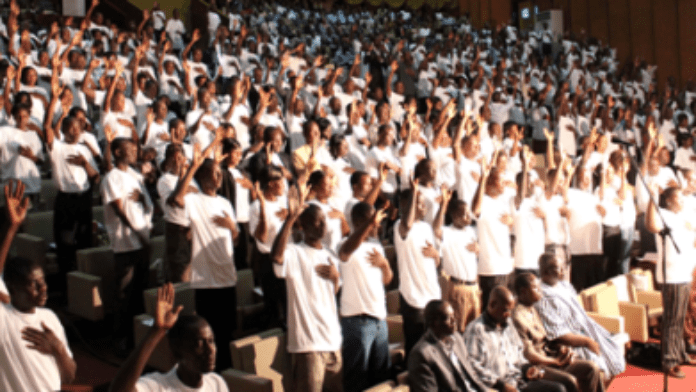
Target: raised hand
<point>165,313</point>
<point>15,202</point>
<point>109,134</point>
<point>549,135</point>
<point>196,35</point>
<point>296,200</point>
<point>446,195</point>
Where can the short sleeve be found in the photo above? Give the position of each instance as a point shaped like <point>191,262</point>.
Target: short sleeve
<point>289,262</point>
<point>149,383</point>
<point>112,188</point>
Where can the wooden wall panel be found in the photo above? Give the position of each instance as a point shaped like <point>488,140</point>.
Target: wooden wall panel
<point>475,10</point>
<point>642,42</point>
<point>620,28</point>
<point>687,39</point>
<point>485,12</point>
<point>599,21</point>
<point>578,16</point>
<point>665,34</point>
<point>501,11</point>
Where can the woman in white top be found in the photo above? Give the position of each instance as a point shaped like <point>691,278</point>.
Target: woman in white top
<point>22,151</point>
<point>321,190</point>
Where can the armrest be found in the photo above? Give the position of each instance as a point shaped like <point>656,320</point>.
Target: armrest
<point>84,299</point>
<point>651,298</point>
<point>636,316</point>
<point>613,324</point>
<point>238,380</point>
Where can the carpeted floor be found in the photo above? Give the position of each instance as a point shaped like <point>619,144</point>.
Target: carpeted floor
<point>639,379</point>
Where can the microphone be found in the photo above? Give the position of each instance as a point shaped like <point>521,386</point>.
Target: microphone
<point>622,142</point>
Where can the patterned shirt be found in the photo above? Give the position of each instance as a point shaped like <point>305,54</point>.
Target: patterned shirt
<point>495,351</point>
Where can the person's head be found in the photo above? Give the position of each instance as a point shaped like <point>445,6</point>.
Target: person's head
<point>177,130</point>
<point>671,199</point>
<point>470,146</point>
<point>311,132</point>
<point>551,268</point>
<point>29,76</point>
<point>26,284</point>
<point>459,213</point>
<point>338,146</point>
<point>21,114</point>
<point>500,304</point>
<point>385,135</point>
<point>118,102</point>
<point>325,128</point>
<point>426,171</point>
<point>192,342</point>
<point>494,183</point>
<point>209,177</point>
<point>124,151</point>
<point>174,158</point>
<point>361,215</point>
<point>619,160</point>
<point>361,183</point>
<point>272,181</point>
<point>273,136</point>
<point>71,129</point>
<point>527,289</point>
<point>439,318</point>
<point>321,185</point>
<point>335,105</point>
<point>233,150</point>
<point>405,203</point>
<point>313,223</point>
<point>204,98</point>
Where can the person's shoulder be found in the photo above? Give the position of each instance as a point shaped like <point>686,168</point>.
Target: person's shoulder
<point>215,382</point>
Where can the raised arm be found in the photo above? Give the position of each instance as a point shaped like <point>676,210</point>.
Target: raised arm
<point>166,316</point>
<point>407,221</point>
<point>359,235</point>
<point>177,196</point>
<point>440,217</point>
<point>478,197</point>
<point>296,198</point>
<point>550,161</point>
<point>16,206</point>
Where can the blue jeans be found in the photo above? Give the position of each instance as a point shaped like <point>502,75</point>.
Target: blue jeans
<point>366,359</point>
<point>627,235</point>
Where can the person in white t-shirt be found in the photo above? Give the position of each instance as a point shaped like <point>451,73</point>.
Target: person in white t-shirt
<point>679,268</point>
<point>418,261</point>
<point>321,191</point>
<point>34,352</point>
<point>213,232</point>
<point>192,343</point>
<point>127,216</point>
<point>365,271</point>
<point>312,279</point>
<point>529,221</point>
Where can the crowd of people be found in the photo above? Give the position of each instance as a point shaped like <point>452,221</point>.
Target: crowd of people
<point>300,143</point>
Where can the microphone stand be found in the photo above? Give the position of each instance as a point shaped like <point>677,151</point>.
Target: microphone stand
<point>664,233</point>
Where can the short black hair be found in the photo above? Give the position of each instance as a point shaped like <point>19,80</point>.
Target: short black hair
<point>17,270</point>
<point>361,213</point>
<point>118,143</point>
<point>432,310</point>
<point>356,177</point>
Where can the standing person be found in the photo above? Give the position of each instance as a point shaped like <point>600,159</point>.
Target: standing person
<point>75,173</point>
<point>34,352</point>
<point>677,283</point>
<point>266,217</point>
<point>495,222</point>
<point>192,342</point>
<point>237,188</point>
<point>529,222</point>
<point>418,261</point>
<point>177,259</point>
<point>127,215</point>
<point>440,360</point>
<point>312,279</point>
<point>213,232</point>
<point>365,271</point>
<point>459,247</point>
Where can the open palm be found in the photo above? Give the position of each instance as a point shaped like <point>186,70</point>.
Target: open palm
<point>165,313</point>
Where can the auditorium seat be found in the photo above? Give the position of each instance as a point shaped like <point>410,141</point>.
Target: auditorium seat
<point>91,288</point>
<point>258,361</point>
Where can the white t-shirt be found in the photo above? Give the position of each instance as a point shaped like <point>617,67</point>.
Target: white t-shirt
<point>25,369</point>
<point>556,226</point>
<point>376,156</point>
<point>363,288</point>
<point>495,254</point>
<point>241,204</point>
<point>334,232</point>
<point>154,139</point>
<point>680,266</point>
<point>165,186</point>
<point>418,282</point>
<point>584,223</point>
<point>312,315</point>
<point>457,260</point>
<point>67,177</point>
<point>169,382</point>
<point>529,235</point>
<point>273,222</point>
<point>17,166</point>
<point>119,184</point>
<point>212,257</point>
<point>466,183</point>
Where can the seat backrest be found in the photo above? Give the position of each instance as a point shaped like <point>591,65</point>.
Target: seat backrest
<point>605,301</point>
<point>183,295</point>
<point>393,301</point>
<point>100,262</point>
<point>268,358</point>
<point>30,247</point>
<point>640,280</point>
<point>236,346</point>
<point>40,224</point>
<point>157,248</point>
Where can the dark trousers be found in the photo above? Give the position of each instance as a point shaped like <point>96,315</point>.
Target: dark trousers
<point>580,376</point>
<point>675,301</point>
<point>177,257</point>
<point>414,324</point>
<point>587,270</point>
<point>611,242</point>
<point>542,386</point>
<point>275,295</point>
<point>132,273</point>
<point>488,283</point>
<point>219,307</point>
<point>72,227</point>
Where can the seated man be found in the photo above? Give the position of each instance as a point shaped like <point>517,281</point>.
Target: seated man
<point>193,344</point>
<point>557,360</point>
<point>495,349</point>
<point>566,321</point>
<point>34,353</point>
<point>439,361</point>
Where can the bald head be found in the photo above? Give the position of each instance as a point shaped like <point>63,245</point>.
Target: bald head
<point>502,295</point>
